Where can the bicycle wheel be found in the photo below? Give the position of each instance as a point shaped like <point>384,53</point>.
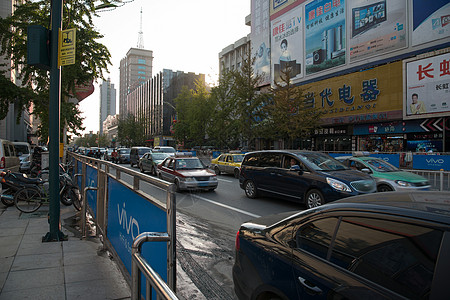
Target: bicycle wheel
<point>76,198</point>
<point>28,199</point>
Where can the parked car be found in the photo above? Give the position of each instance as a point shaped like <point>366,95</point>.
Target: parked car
<point>165,149</point>
<point>187,172</point>
<point>123,155</point>
<point>387,176</point>
<point>8,158</point>
<point>313,178</point>
<point>23,150</point>
<point>376,246</point>
<point>136,153</point>
<point>150,161</point>
<point>228,163</point>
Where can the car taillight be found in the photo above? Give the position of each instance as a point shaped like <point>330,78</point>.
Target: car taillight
<point>2,162</point>
<point>237,243</point>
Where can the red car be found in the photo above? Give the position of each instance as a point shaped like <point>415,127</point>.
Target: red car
<point>187,172</point>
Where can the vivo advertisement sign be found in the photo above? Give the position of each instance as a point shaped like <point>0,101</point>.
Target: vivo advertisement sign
<point>393,159</point>
<point>431,162</point>
<point>91,195</point>
<point>129,215</point>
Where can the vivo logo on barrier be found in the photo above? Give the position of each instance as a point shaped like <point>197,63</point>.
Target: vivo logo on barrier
<point>435,161</point>
<point>386,159</point>
<point>131,225</point>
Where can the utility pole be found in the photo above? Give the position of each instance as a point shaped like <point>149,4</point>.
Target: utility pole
<point>55,233</point>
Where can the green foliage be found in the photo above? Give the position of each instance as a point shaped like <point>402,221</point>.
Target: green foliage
<point>93,140</point>
<point>131,131</point>
<point>92,59</point>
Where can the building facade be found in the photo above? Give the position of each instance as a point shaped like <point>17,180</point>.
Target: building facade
<point>379,70</point>
<point>107,102</point>
<point>10,129</point>
<point>110,128</point>
<point>152,103</point>
<point>136,68</point>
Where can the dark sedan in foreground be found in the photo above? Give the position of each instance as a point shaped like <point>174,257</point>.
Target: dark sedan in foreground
<point>391,245</point>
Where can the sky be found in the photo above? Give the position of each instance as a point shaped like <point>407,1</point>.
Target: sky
<point>184,35</point>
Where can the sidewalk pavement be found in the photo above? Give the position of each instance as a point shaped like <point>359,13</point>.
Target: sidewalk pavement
<point>73,269</point>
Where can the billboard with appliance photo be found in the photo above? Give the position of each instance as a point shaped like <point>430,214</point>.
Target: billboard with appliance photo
<point>287,44</point>
<point>427,92</point>
<point>376,27</point>
<point>325,35</point>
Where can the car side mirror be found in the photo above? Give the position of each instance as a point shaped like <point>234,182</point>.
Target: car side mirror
<point>366,170</point>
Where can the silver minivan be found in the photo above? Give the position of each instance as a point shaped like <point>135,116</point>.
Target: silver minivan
<point>8,158</point>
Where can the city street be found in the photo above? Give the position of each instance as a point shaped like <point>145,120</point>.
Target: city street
<point>207,223</point>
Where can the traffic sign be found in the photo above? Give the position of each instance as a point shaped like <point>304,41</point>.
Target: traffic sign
<point>67,46</point>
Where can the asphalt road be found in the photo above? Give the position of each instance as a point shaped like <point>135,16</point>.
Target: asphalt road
<point>207,223</point>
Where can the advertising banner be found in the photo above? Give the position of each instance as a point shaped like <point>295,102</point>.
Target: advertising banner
<point>287,44</point>
<point>393,159</point>
<point>129,215</point>
<point>91,195</point>
<point>428,86</point>
<point>376,27</point>
<point>325,35</point>
<point>260,38</point>
<point>431,162</point>
<point>431,20</point>
<point>367,96</point>
<point>277,6</point>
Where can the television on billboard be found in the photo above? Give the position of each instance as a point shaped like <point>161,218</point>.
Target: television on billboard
<point>325,35</point>
<point>427,87</point>
<point>376,27</point>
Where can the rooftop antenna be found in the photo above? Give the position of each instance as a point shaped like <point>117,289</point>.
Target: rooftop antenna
<point>140,43</point>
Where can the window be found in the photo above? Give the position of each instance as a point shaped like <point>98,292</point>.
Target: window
<point>142,67</point>
<point>230,159</point>
<point>141,72</point>
<point>141,61</point>
<point>252,161</point>
<point>356,165</point>
<point>222,158</point>
<point>315,237</point>
<point>270,160</point>
<point>6,150</point>
<point>287,162</point>
<point>398,256</point>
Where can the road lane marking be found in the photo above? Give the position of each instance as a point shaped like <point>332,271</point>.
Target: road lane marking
<point>227,206</point>
<point>224,180</point>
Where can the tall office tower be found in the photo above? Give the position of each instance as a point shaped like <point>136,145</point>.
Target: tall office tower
<point>107,102</point>
<point>135,69</point>
<point>9,128</point>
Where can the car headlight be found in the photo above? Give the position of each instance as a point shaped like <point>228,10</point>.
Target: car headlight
<point>338,185</point>
<point>403,183</point>
<point>187,179</point>
<point>213,178</point>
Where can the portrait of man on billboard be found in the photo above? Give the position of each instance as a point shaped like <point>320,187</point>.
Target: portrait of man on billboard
<point>417,106</point>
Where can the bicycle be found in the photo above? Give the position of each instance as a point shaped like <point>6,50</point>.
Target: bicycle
<point>30,198</point>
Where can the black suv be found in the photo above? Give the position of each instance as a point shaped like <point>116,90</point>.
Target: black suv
<point>306,176</point>
<point>392,245</point>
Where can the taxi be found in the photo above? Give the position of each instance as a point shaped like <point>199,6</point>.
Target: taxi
<point>228,163</point>
<point>388,177</point>
<point>187,172</point>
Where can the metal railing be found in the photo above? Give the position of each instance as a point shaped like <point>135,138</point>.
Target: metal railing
<point>139,264</point>
<point>439,180</point>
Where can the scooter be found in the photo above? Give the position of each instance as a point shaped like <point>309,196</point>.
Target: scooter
<point>12,182</point>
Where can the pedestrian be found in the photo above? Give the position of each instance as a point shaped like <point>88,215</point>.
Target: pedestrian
<point>114,156</point>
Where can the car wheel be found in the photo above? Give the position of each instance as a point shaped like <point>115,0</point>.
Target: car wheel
<point>314,198</point>
<point>236,173</point>
<point>250,189</point>
<point>384,188</point>
<point>217,170</point>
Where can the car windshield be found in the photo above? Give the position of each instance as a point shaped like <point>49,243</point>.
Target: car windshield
<point>21,148</point>
<point>124,151</point>
<point>322,162</point>
<point>184,164</point>
<point>381,165</point>
<point>159,156</point>
<point>238,158</point>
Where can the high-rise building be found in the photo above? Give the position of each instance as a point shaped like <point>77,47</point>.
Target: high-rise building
<point>107,102</point>
<point>135,69</point>
<point>9,128</point>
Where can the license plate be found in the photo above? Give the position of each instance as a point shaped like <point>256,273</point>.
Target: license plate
<point>202,184</point>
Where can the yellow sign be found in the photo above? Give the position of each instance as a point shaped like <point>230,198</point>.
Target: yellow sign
<point>67,46</point>
<point>365,92</point>
<point>61,149</point>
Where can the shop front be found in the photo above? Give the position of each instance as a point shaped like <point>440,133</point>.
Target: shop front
<point>335,139</point>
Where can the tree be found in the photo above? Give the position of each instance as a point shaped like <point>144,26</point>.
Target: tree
<point>92,59</point>
<point>292,115</point>
<point>131,131</point>
<point>248,99</point>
